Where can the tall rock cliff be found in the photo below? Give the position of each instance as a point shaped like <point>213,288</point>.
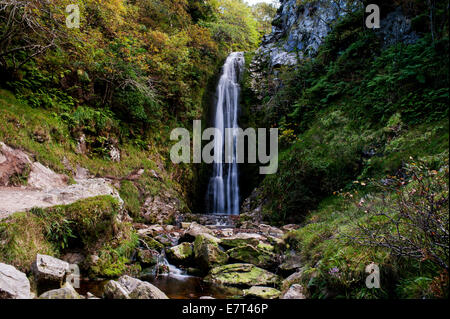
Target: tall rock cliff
<point>300,28</point>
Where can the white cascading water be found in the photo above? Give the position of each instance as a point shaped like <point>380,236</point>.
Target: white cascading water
<point>223,188</point>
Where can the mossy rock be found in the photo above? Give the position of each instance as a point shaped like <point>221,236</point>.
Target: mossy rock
<point>147,257</point>
<point>241,240</point>
<point>151,243</point>
<point>241,275</point>
<point>265,246</point>
<point>207,252</point>
<point>181,254</point>
<point>253,255</point>
<point>262,293</point>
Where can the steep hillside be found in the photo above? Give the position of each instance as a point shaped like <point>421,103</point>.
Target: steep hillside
<point>361,113</point>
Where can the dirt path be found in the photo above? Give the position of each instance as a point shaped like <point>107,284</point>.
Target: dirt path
<point>14,199</point>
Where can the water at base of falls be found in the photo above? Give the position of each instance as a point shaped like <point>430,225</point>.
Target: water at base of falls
<point>223,189</point>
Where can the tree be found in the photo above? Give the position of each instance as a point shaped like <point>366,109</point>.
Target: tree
<point>29,29</point>
<point>264,13</point>
<point>235,27</point>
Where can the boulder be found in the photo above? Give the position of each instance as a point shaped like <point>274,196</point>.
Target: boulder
<point>241,275</point>
<point>207,252</point>
<point>242,239</point>
<point>66,292</point>
<point>195,230</point>
<point>262,292</point>
<point>180,254</point>
<point>147,257</point>
<point>114,290</point>
<point>295,292</point>
<point>151,243</point>
<point>253,255</point>
<point>127,287</point>
<point>14,284</point>
<point>146,290</point>
<point>49,271</point>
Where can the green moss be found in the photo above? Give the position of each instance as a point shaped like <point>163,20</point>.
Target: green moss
<point>89,224</point>
<point>113,257</point>
<point>241,275</point>
<point>208,253</point>
<point>252,255</point>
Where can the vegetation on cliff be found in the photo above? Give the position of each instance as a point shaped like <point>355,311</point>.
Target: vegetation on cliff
<point>354,120</point>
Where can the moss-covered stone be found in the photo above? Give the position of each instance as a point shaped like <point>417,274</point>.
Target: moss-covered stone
<point>207,252</point>
<point>241,275</point>
<point>151,243</point>
<point>87,223</point>
<point>241,239</point>
<point>147,257</point>
<point>262,292</point>
<point>253,255</point>
<point>181,254</point>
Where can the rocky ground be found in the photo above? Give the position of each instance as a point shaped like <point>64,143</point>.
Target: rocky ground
<point>251,259</point>
<point>221,250</point>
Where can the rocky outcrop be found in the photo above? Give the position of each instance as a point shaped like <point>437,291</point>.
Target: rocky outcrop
<point>127,287</point>
<point>14,284</point>
<point>241,275</point>
<point>41,186</point>
<point>298,30</point>
<point>114,290</point>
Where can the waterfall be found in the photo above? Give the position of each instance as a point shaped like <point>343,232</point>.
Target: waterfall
<point>223,188</point>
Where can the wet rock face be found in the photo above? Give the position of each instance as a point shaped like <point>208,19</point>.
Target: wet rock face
<point>14,284</point>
